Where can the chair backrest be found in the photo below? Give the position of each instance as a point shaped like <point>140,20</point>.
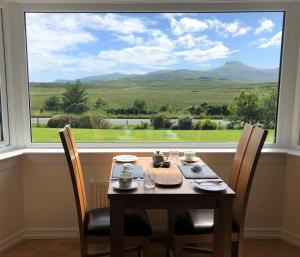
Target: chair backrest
<point>73,160</point>
<point>239,155</point>
<point>246,175</point>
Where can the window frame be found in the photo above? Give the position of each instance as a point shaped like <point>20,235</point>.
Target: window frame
<point>288,73</point>
<point>3,90</point>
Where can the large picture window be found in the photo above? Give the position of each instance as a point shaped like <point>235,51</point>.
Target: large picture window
<point>153,77</point>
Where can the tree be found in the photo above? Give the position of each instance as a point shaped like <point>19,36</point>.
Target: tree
<point>140,104</point>
<point>74,99</point>
<point>99,103</point>
<point>52,104</point>
<point>269,107</point>
<point>247,107</point>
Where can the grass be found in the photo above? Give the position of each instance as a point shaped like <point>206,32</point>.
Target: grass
<point>113,135</point>
<point>156,93</point>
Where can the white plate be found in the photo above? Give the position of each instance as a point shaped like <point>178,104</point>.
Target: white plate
<point>133,185</point>
<point>195,159</point>
<point>210,186</point>
<point>126,158</point>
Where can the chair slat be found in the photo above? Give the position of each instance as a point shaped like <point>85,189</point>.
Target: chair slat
<point>239,155</point>
<point>246,174</point>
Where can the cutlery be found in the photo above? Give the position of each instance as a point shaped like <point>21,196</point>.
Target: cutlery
<point>199,181</point>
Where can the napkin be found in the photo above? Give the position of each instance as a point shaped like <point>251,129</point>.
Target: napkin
<point>138,171</point>
<point>205,172</point>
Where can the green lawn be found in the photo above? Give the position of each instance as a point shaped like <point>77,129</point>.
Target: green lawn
<point>111,135</point>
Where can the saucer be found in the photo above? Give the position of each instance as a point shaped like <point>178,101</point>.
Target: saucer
<point>116,185</point>
<point>195,159</point>
<point>211,186</point>
<point>125,158</point>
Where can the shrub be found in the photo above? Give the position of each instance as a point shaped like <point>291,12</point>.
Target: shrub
<point>87,121</point>
<point>209,125</point>
<point>58,122</point>
<point>143,125</point>
<point>206,125</point>
<point>52,104</point>
<point>185,123</point>
<point>158,122</point>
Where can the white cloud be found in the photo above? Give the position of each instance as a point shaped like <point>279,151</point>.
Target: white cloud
<point>199,55</point>
<point>187,25</point>
<point>234,29</point>
<point>190,41</point>
<point>266,25</point>
<point>268,42</point>
<point>191,25</point>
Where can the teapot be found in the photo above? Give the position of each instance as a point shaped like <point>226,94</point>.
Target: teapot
<point>158,157</point>
<point>126,176</point>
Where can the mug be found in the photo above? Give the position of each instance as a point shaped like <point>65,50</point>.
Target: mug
<point>125,180</point>
<point>189,155</point>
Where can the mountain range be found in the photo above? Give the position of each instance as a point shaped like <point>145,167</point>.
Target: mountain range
<point>232,71</point>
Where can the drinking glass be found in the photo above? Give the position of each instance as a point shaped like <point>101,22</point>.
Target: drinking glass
<point>149,179</point>
<point>173,157</point>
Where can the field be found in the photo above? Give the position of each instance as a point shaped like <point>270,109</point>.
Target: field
<point>110,135</point>
<point>156,93</point>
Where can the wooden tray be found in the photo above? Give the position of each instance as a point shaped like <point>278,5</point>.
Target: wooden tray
<point>168,177</point>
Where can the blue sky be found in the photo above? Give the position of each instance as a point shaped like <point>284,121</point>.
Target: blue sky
<point>75,45</point>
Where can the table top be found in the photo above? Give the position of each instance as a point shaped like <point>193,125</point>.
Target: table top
<point>184,189</point>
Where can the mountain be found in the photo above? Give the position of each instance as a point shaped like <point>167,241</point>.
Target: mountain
<point>96,79</point>
<point>232,71</point>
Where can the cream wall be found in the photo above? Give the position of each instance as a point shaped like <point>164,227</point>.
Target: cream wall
<point>11,200</point>
<point>291,214</point>
<point>36,198</point>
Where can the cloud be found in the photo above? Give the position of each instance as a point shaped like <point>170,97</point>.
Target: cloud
<point>204,55</point>
<point>187,25</point>
<point>190,41</point>
<point>266,25</point>
<point>268,42</point>
<point>191,25</point>
<point>234,29</point>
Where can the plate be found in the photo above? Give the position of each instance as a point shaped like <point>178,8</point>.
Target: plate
<point>125,158</point>
<point>195,159</point>
<point>116,185</point>
<point>211,186</point>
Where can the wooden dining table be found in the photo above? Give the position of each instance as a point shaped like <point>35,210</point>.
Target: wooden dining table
<point>181,197</point>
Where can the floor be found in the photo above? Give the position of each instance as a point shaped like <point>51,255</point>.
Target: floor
<point>70,248</point>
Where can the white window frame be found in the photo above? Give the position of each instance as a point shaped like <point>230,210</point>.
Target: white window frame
<point>288,72</point>
<point>3,90</point>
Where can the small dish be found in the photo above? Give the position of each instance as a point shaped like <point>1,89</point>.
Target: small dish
<point>116,185</point>
<point>125,158</point>
<point>211,186</point>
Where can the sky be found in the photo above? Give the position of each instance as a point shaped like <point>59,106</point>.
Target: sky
<point>76,45</point>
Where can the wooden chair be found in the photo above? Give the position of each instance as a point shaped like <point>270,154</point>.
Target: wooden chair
<point>94,225</point>
<point>192,227</point>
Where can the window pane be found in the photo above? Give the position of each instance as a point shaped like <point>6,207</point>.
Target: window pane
<point>153,77</point>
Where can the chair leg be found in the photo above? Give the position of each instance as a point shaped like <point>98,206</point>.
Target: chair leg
<point>178,250</point>
<point>234,249</point>
<point>170,236</point>
<point>140,251</point>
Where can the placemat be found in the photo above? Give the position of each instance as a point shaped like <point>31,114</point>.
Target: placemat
<point>137,171</point>
<point>206,172</point>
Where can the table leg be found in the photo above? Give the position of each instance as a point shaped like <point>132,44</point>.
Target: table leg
<point>223,228</point>
<point>116,228</point>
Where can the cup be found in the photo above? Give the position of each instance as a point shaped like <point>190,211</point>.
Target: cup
<point>149,179</point>
<point>125,180</point>
<point>189,155</point>
<point>173,157</point>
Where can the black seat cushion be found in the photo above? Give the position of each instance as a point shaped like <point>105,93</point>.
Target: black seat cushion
<point>193,222</point>
<point>97,222</point>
